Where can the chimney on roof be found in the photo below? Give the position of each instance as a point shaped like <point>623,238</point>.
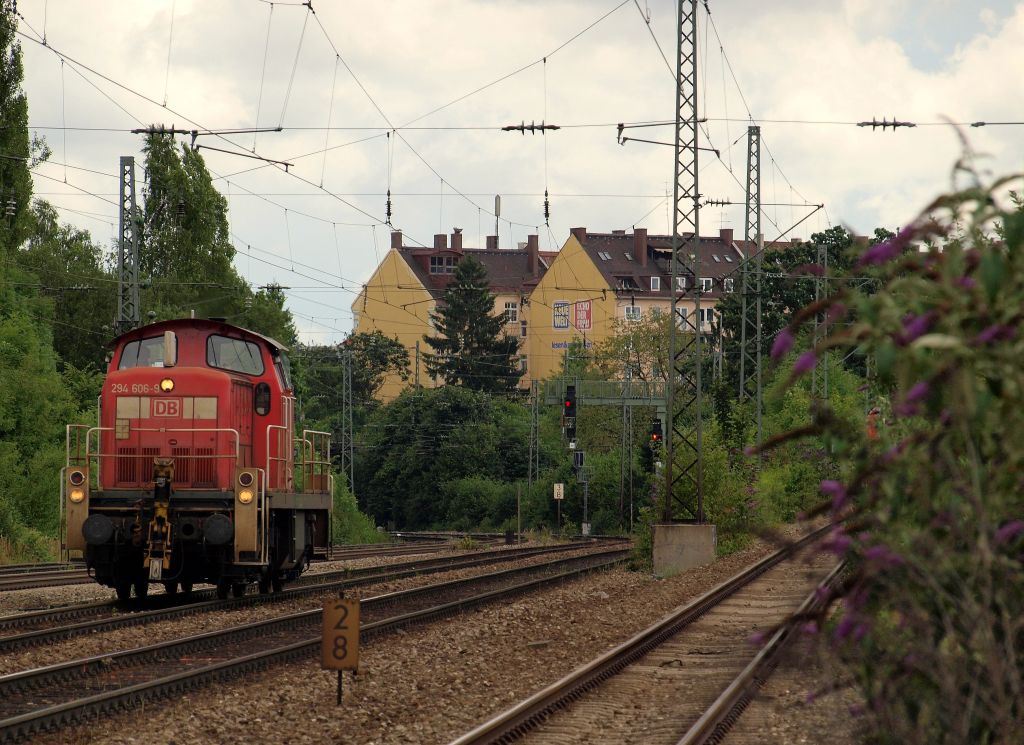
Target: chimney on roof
<point>492,243</point>
<point>640,245</point>
<point>533,254</point>
<point>396,239</point>
<point>725,235</point>
<point>440,240</point>
<point>457,239</point>
<point>618,232</point>
<point>581,234</point>
<point>795,241</point>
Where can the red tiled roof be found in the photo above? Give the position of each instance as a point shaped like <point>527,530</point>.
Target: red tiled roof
<point>617,256</point>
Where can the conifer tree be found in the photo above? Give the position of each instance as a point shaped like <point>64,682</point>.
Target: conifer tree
<point>472,349</point>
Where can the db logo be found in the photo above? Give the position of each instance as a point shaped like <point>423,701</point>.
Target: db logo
<point>166,407</point>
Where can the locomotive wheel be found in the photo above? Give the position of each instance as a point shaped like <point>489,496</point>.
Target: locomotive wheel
<point>277,583</point>
<point>223,586</point>
<point>124,591</point>
<point>186,587</point>
<point>238,589</point>
<point>170,587</point>
<point>264,585</point>
<point>141,588</point>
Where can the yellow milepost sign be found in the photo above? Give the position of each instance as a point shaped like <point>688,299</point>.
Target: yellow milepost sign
<point>340,649</point>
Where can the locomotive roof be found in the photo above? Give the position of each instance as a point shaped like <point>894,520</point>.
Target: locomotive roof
<point>176,323</point>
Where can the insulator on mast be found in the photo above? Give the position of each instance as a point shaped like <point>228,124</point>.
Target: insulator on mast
<point>387,210</point>
<point>547,209</point>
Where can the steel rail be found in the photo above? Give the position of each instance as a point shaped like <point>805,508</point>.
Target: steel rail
<point>46,578</point>
<point>28,724</point>
<point>726,710</point>
<point>205,600</point>
<point>531,712</point>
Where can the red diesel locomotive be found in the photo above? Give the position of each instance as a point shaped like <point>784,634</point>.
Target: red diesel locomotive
<point>194,472</point>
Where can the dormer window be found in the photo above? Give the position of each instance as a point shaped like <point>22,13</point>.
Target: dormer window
<point>655,284</point>
<point>442,264</point>
<point>728,284</point>
<point>627,283</point>
<point>681,283</point>
<point>706,284</point>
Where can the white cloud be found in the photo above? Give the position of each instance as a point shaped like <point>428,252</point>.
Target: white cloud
<point>830,61</point>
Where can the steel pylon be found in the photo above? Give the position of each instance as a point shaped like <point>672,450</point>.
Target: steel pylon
<point>684,471</point>
<point>751,342</point>
<point>128,312</point>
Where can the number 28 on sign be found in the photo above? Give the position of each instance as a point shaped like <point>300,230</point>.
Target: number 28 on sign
<point>340,648</point>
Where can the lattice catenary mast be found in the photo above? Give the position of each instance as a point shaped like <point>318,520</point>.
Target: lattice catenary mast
<point>128,315</point>
<point>684,469</point>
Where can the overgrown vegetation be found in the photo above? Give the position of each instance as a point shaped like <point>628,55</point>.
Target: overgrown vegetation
<point>930,617</point>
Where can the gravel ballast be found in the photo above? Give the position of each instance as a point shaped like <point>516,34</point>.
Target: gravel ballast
<point>429,684</point>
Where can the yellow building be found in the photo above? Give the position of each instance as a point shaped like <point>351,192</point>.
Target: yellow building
<point>549,299</point>
<point>405,289</point>
<point>599,277</point>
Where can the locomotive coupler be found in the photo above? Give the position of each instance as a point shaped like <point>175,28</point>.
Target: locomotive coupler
<point>158,543</point>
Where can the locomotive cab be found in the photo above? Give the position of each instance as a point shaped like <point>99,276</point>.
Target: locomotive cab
<point>195,472</point>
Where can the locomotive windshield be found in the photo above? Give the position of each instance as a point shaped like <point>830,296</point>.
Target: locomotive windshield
<point>236,355</point>
<point>144,353</point>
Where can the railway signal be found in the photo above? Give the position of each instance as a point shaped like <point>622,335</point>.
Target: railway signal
<point>569,414</point>
<point>656,434</point>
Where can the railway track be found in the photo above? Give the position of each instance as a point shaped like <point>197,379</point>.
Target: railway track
<point>52,697</point>
<point>54,574</point>
<point>659,682</point>
<point>46,626</point>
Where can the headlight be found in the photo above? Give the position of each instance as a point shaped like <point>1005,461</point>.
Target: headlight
<point>76,478</point>
<point>167,385</point>
<point>76,495</point>
<point>245,496</point>
<point>245,478</point>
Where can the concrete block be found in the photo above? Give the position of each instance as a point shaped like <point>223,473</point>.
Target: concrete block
<point>682,546</point>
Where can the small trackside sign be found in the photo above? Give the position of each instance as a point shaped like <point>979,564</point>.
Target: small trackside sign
<point>559,491</point>
<point>340,648</point>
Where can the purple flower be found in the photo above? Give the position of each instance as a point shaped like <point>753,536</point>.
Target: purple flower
<point>967,283</point>
<point>894,452</point>
<point>750,450</point>
<point>838,543</point>
<point>915,326</point>
<point>805,362</point>
<point>906,410</point>
<point>1010,531</point>
<point>918,392</point>
<point>883,556</point>
<point>782,344</point>
<point>995,332</point>
<point>836,310</point>
<point>845,627</point>
<point>888,250</point>
<point>811,627</point>
<point>758,637</point>
<point>835,490</point>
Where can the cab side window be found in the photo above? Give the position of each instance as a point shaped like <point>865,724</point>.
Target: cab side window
<point>236,355</point>
<point>144,353</point>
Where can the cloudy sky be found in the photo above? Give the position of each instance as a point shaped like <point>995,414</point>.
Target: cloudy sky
<point>444,76</point>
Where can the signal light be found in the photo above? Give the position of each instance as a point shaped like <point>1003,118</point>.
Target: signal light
<point>656,435</point>
<point>570,400</point>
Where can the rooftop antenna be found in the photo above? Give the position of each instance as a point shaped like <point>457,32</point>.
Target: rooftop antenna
<point>497,214</point>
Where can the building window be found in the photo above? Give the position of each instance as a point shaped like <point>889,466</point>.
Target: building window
<point>442,264</point>
<point>728,284</point>
<point>522,329</point>
<point>633,313</point>
<point>707,317</point>
<point>715,257</point>
<point>656,312</point>
<point>522,364</point>
<point>605,256</point>
<point>681,283</point>
<point>628,255</point>
<point>681,317</point>
<point>511,312</point>
<point>706,284</point>
<point>655,284</point>
<point>728,258</point>
<point>627,283</point>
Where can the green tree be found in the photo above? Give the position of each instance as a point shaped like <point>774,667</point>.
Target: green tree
<point>472,349</point>
<point>15,147</point>
<point>82,292</point>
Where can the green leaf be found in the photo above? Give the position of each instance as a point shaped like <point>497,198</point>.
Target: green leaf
<point>992,270</point>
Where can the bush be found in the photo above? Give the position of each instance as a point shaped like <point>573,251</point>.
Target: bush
<point>348,524</point>
<point>931,612</point>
